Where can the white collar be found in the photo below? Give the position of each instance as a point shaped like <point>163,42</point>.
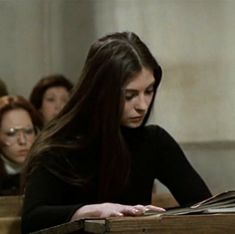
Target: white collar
<point>11,167</point>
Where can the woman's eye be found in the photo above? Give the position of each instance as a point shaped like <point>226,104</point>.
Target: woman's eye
<point>29,131</point>
<point>50,99</point>
<point>128,97</point>
<point>149,91</point>
<point>10,134</point>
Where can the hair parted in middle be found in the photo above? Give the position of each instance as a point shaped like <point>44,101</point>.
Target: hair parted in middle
<point>93,113</point>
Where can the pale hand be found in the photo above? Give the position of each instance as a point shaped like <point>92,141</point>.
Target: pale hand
<point>105,210</point>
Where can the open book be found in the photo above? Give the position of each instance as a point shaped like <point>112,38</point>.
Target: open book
<point>220,203</point>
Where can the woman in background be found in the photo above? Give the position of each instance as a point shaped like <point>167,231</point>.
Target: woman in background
<point>98,158</point>
<point>50,95</point>
<point>19,123</point>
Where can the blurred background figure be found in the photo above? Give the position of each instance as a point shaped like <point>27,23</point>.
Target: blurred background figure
<point>19,123</point>
<point>50,95</point>
<point>3,88</point>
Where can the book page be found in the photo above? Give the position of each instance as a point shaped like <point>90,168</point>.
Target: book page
<point>219,203</point>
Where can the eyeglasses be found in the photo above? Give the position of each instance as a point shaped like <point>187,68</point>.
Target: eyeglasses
<point>18,134</point>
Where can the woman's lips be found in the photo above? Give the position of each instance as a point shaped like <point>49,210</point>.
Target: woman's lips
<point>23,152</point>
<point>136,119</point>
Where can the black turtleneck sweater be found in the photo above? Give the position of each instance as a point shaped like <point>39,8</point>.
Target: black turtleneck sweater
<point>50,201</point>
<point>9,183</point>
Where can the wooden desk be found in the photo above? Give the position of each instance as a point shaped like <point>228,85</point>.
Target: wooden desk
<point>10,212</point>
<point>10,225</point>
<point>10,206</point>
<point>200,224</point>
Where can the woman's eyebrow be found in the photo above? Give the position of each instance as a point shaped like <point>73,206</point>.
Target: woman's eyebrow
<point>131,91</point>
<point>136,90</point>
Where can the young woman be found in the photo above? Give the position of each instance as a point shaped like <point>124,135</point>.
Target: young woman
<point>50,95</point>
<point>97,158</point>
<point>18,124</point>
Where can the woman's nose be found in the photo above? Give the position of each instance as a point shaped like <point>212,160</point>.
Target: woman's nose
<point>142,103</point>
<point>22,140</point>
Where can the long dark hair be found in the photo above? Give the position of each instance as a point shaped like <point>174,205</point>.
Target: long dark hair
<point>92,114</point>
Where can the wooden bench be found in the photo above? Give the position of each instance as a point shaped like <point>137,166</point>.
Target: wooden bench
<point>152,224</point>
<point>10,214</point>
<point>10,210</point>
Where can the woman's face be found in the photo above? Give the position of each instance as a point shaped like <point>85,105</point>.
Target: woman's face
<point>138,94</point>
<point>17,135</point>
<point>53,101</point>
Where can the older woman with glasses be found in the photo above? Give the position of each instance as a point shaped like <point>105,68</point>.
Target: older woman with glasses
<point>19,123</point>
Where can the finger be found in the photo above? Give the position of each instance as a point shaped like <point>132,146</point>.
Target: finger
<point>117,214</point>
<point>154,208</point>
<point>140,207</point>
<point>131,210</point>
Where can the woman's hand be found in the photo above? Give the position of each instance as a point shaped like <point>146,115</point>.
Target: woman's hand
<point>105,210</point>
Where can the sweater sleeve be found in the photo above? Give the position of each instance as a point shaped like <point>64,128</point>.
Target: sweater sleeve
<point>46,202</point>
<point>176,173</point>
